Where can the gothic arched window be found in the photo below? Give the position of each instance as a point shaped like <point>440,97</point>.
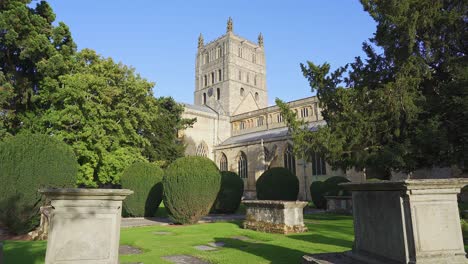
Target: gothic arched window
<point>242,165</point>
<point>202,150</point>
<point>212,78</point>
<point>205,80</point>
<point>318,164</point>
<point>256,97</point>
<point>242,91</point>
<point>220,76</point>
<point>289,159</point>
<point>223,163</point>
<point>218,94</point>
<point>204,98</point>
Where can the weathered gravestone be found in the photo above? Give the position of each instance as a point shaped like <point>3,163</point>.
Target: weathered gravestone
<point>84,225</point>
<point>275,216</point>
<point>411,222</point>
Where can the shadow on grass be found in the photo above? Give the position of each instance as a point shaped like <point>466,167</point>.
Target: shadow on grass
<point>24,251</point>
<point>274,254</point>
<point>325,240</point>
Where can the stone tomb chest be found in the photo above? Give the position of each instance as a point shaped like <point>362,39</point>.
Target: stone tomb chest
<point>412,221</point>
<point>270,216</point>
<point>84,225</point>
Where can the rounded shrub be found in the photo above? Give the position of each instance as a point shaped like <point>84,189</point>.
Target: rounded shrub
<point>329,187</point>
<point>190,186</point>
<point>145,180</point>
<point>277,184</point>
<point>332,187</point>
<point>230,194</point>
<point>317,190</point>
<point>29,162</point>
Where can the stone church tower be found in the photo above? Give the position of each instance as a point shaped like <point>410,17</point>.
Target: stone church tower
<point>230,74</point>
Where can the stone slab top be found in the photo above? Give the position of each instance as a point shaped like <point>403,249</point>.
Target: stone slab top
<point>275,203</point>
<point>338,197</point>
<point>424,184</point>
<point>85,194</point>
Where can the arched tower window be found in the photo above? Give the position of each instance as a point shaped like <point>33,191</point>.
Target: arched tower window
<point>218,93</point>
<point>204,98</point>
<point>223,163</point>
<point>242,91</point>
<point>255,80</point>
<point>242,165</point>
<point>220,76</point>
<point>205,80</point>
<point>256,97</point>
<point>289,159</point>
<point>212,78</point>
<point>202,150</point>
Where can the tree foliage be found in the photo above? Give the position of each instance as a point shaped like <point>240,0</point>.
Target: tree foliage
<point>403,108</point>
<point>103,109</point>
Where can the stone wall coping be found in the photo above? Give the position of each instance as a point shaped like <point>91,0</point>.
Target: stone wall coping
<point>85,194</point>
<point>275,203</point>
<point>454,183</point>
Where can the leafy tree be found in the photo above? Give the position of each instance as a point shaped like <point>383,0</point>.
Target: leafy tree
<point>404,108</point>
<point>103,109</point>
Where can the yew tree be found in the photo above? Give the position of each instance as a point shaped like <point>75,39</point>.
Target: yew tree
<point>405,105</point>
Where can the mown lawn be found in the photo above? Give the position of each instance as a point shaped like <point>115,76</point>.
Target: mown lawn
<point>327,233</point>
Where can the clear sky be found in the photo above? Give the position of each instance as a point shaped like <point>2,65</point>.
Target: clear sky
<point>159,38</point>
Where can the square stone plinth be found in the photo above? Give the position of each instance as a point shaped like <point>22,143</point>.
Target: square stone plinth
<point>84,225</point>
<point>270,216</point>
<point>412,221</point>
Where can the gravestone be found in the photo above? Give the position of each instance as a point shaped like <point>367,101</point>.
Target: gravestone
<point>84,225</point>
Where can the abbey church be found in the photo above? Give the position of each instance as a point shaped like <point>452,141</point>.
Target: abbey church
<point>235,126</point>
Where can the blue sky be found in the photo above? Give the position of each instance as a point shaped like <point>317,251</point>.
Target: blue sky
<point>159,38</point>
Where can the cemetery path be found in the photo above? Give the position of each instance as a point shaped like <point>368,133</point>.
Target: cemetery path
<point>149,221</point>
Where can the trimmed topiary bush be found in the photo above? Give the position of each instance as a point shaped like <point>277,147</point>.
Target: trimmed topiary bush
<point>329,187</point>
<point>29,162</point>
<point>333,189</point>
<point>190,186</point>
<point>277,184</point>
<point>317,189</point>
<point>145,180</point>
<point>230,194</point>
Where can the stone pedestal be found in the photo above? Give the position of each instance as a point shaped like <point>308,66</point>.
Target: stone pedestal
<point>412,221</point>
<point>84,225</point>
<point>339,204</point>
<point>282,217</point>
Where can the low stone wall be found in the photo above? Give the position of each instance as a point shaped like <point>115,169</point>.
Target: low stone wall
<point>282,217</point>
<point>339,204</point>
<point>84,225</point>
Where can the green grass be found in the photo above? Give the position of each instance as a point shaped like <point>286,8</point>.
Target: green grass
<point>327,233</point>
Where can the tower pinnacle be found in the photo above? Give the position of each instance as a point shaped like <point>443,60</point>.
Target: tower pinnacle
<point>260,39</point>
<point>229,25</point>
<point>200,41</point>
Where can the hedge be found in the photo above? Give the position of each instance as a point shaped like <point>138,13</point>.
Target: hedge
<point>29,162</point>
